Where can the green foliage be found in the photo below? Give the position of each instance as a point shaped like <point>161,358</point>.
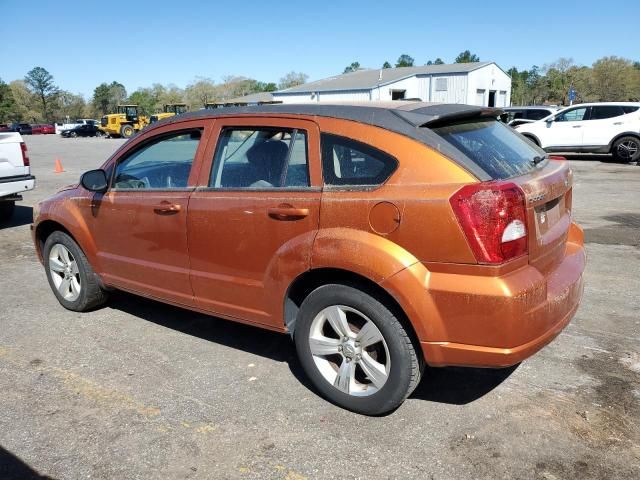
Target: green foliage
<point>437,61</point>
<point>355,66</point>
<point>106,97</point>
<point>8,106</point>
<point>40,83</point>
<point>292,79</point>
<point>466,57</point>
<point>404,60</point>
<point>386,65</point>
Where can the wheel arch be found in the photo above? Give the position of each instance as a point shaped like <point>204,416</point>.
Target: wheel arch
<point>619,136</point>
<point>531,137</point>
<point>308,281</point>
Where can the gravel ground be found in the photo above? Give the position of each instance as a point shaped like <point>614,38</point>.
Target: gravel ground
<point>139,389</point>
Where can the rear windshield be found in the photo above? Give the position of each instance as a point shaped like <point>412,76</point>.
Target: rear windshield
<point>493,146</point>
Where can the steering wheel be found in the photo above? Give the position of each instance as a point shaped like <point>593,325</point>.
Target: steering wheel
<point>129,181</point>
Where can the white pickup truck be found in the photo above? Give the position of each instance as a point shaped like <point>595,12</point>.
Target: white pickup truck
<point>15,172</point>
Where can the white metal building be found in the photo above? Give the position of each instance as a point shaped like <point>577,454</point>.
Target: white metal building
<point>480,83</point>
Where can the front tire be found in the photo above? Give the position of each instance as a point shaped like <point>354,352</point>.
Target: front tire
<point>626,149</point>
<point>73,134</point>
<point>355,351</point>
<point>127,131</point>
<point>70,275</point>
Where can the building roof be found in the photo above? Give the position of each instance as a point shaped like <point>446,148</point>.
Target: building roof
<point>411,119</point>
<point>367,79</point>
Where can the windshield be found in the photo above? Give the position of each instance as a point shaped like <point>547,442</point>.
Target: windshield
<point>493,146</point>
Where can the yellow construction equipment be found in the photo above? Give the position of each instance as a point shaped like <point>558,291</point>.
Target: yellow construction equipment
<point>125,123</point>
<point>170,109</point>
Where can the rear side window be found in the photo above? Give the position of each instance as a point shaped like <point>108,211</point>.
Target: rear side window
<point>494,147</point>
<point>262,157</point>
<point>537,114</point>
<point>605,111</point>
<point>349,162</point>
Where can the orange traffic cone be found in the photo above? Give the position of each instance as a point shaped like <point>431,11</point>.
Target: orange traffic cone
<point>58,168</point>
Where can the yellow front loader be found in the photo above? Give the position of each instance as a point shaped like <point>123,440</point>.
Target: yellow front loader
<point>125,123</point>
<point>170,109</point>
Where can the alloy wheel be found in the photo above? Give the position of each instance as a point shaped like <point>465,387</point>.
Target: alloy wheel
<point>64,272</point>
<point>628,149</point>
<point>349,350</point>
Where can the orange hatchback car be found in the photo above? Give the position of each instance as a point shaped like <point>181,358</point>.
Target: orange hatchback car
<point>380,236</point>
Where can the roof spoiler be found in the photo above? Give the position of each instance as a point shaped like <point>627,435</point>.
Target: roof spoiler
<point>435,118</point>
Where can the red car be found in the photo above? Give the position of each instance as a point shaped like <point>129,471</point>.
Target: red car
<point>43,129</point>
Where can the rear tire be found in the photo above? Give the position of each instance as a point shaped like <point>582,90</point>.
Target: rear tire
<point>371,366</point>
<point>71,278</point>
<point>6,210</point>
<point>626,149</point>
<point>127,131</point>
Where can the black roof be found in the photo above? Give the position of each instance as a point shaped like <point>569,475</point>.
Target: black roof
<point>411,119</point>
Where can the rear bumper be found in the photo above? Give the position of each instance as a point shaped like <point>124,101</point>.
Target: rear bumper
<point>492,321</point>
<point>16,185</point>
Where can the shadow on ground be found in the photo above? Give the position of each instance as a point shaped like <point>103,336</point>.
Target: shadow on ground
<point>22,215</point>
<point>12,468</point>
<point>456,386</point>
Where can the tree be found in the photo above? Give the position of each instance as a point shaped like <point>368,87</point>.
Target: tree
<point>437,61</point>
<point>106,97</point>
<point>69,105</point>
<point>467,57</point>
<point>558,79</point>
<point>386,65</point>
<point>404,60</point>
<point>8,107</point>
<point>144,98</point>
<point>200,92</point>
<point>615,79</point>
<point>26,103</point>
<point>292,79</point>
<point>41,84</point>
<point>355,66</point>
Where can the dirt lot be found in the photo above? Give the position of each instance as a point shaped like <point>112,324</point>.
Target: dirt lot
<point>143,390</point>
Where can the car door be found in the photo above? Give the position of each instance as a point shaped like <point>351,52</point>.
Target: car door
<point>140,224</point>
<point>605,122</point>
<point>253,219</point>
<point>566,129</point>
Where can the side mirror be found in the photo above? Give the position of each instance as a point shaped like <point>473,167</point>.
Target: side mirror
<point>550,119</point>
<point>95,181</point>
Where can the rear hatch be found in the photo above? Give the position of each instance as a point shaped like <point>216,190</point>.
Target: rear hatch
<point>11,160</point>
<point>503,156</point>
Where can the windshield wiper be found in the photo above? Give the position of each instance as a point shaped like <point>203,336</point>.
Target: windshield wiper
<point>538,158</point>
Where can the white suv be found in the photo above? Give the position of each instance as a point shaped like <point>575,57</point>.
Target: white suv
<point>592,128</point>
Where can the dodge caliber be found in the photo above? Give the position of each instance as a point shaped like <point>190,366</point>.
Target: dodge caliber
<point>381,237</point>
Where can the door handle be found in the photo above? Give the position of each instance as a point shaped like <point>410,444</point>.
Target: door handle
<point>618,123</point>
<point>167,208</point>
<point>577,126</point>
<point>287,212</point>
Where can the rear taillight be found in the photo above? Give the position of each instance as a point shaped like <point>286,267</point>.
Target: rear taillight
<point>25,155</point>
<point>493,218</point>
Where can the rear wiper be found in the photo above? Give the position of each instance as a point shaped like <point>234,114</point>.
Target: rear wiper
<point>538,158</point>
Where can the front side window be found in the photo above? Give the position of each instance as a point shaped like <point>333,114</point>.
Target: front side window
<point>164,163</point>
<point>261,157</point>
<point>349,162</point>
<point>574,115</point>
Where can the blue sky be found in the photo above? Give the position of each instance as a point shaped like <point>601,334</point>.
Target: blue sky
<point>84,43</point>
